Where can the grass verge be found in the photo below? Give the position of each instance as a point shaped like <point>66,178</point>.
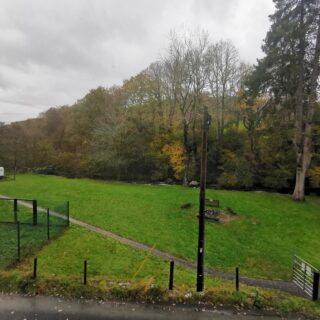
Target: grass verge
<point>221,296</point>
<point>116,271</point>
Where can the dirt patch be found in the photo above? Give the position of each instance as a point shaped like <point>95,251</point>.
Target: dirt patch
<point>226,217</point>
<point>223,216</point>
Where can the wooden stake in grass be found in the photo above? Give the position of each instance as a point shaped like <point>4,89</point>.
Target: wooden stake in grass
<point>237,278</point>
<point>18,240</point>
<point>171,275</point>
<point>316,282</point>
<point>68,213</point>
<point>35,212</point>
<point>15,209</point>
<point>85,272</point>
<point>48,223</point>
<point>35,268</point>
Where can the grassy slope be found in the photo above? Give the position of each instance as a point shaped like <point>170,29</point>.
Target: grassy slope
<point>31,237</point>
<point>107,259</point>
<point>262,242</point>
<point>111,264</point>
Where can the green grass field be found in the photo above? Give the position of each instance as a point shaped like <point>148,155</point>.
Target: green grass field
<point>270,228</point>
<point>118,272</point>
<point>107,259</point>
<point>32,238</point>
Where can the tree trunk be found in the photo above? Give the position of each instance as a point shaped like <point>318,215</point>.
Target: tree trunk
<point>222,112</point>
<point>298,193</point>
<point>304,158</point>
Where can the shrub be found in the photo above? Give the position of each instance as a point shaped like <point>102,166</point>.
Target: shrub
<point>278,179</point>
<point>314,175</point>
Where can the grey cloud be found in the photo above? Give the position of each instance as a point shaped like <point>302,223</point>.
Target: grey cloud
<point>54,51</point>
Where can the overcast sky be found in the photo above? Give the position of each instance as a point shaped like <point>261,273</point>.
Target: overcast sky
<point>52,52</point>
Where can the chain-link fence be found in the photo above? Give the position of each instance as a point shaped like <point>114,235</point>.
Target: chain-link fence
<point>23,210</point>
<point>25,227</point>
<point>61,211</point>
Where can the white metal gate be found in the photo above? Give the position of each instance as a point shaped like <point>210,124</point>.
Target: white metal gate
<point>303,275</point>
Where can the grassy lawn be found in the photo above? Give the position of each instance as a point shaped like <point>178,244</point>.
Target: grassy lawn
<point>32,238</point>
<point>107,259</point>
<point>118,272</point>
<point>271,228</point>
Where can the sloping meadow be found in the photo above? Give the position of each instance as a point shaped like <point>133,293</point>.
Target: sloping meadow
<point>270,228</point>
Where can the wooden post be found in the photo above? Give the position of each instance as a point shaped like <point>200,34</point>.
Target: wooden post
<point>237,278</point>
<point>35,268</point>
<point>171,275</point>
<point>35,212</point>
<point>18,240</point>
<point>85,272</point>
<point>15,209</point>
<point>68,213</point>
<point>316,282</point>
<point>48,223</point>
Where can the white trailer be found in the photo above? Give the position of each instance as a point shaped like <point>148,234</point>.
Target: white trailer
<point>1,172</point>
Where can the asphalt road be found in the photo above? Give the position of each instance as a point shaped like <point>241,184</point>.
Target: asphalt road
<point>14,307</point>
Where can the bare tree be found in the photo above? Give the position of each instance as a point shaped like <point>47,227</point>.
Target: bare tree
<point>199,71</point>
<point>185,80</point>
<point>223,78</point>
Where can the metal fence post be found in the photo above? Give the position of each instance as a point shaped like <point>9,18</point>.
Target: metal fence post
<point>48,223</point>
<point>35,268</point>
<point>171,275</point>
<point>315,291</point>
<point>15,209</point>
<point>237,278</point>
<point>85,272</point>
<point>68,213</point>
<point>18,240</point>
<point>35,212</point>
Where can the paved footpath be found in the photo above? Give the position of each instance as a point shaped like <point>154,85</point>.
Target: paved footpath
<point>262,283</point>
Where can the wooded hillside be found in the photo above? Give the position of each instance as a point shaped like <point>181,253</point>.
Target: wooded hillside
<point>149,128</point>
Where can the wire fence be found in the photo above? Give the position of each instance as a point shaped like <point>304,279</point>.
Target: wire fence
<point>61,211</point>
<point>25,227</point>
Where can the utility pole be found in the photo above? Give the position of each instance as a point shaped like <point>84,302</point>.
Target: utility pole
<point>200,265</point>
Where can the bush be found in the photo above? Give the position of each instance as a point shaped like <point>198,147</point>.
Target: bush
<point>227,179</point>
<point>237,171</point>
<point>278,179</point>
<point>314,175</point>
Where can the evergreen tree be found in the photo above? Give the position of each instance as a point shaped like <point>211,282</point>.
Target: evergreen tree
<point>288,75</point>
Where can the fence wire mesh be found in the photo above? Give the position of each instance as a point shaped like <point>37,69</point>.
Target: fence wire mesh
<point>25,226</point>
<point>6,210</point>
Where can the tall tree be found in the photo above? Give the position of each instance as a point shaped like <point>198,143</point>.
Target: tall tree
<point>223,77</point>
<point>184,70</point>
<point>289,73</point>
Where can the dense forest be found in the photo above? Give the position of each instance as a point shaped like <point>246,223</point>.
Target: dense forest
<point>265,130</point>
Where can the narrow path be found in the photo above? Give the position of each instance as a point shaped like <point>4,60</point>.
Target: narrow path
<point>262,283</point>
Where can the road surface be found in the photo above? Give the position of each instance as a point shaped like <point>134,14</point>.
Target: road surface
<point>16,307</point>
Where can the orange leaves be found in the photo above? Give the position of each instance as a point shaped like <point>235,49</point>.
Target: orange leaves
<point>176,158</point>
